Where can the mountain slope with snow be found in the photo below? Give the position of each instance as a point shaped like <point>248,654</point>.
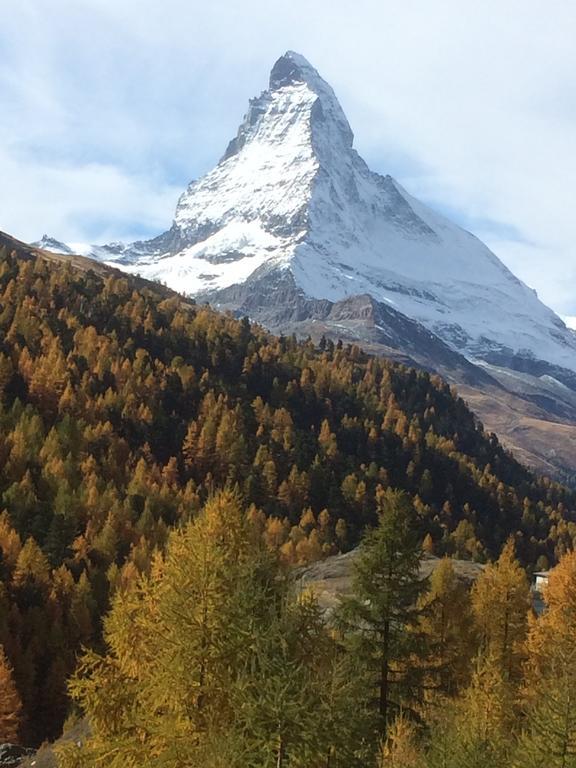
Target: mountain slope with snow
<point>47,243</point>
<point>291,194</point>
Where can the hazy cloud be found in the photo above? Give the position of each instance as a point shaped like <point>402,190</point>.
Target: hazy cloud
<point>110,107</point>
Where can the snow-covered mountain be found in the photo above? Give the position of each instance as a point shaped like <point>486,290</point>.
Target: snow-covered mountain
<point>291,198</point>
<point>47,243</point>
<point>107,253</point>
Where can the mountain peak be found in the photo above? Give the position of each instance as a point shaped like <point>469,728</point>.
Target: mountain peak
<point>292,68</point>
<point>292,196</point>
<point>297,97</point>
<point>48,243</point>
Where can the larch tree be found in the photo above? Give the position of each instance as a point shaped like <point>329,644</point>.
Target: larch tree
<point>486,718</point>
<point>472,730</point>
<point>10,703</point>
<point>212,656</point>
<point>401,749</point>
<point>554,631</point>
<point>500,603</point>
<point>549,737</point>
<point>446,626</point>
<point>32,566</point>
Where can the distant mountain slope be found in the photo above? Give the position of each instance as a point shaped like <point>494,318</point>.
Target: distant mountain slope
<point>9,244</point>
<point>141,324</point>
<point>533,413</point>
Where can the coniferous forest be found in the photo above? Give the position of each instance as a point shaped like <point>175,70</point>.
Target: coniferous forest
<point>164,471</point>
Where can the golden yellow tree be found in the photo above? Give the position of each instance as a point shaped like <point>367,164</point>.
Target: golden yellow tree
<point>555,629</point>
<point>500,603</point>
<point>400,749</point>
<point>10,703</point>
<point>549,737</point>
<point>446,628</point>
<point>474,730</point>
<point>210,656</point>
<point>32,566</point>
<point>10,544</point>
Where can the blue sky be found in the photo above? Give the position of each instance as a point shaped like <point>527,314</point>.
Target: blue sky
<point>110,107</point>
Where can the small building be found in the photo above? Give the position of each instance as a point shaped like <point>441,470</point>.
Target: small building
<point>540,580</point>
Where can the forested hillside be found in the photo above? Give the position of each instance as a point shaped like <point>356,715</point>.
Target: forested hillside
<point>124,408</point>
<point>215,660</point>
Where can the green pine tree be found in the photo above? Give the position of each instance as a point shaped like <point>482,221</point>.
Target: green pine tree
<point>377,617</point>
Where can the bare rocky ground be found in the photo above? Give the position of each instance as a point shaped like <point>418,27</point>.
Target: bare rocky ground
<point>331,579</point>
<point>45,757</point>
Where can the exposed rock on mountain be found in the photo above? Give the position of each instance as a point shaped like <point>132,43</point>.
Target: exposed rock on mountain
<point>332,578</point>
<point>12,755</point>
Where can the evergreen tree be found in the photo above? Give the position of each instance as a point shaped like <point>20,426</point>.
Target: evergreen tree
<point>383,607</point>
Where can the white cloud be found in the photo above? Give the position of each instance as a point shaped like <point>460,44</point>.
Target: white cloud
<point>87,202</point>
<point>109,108</point>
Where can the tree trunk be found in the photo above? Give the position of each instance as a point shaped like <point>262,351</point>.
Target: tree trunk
<point>384,679</point>
<point>280,758</point>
